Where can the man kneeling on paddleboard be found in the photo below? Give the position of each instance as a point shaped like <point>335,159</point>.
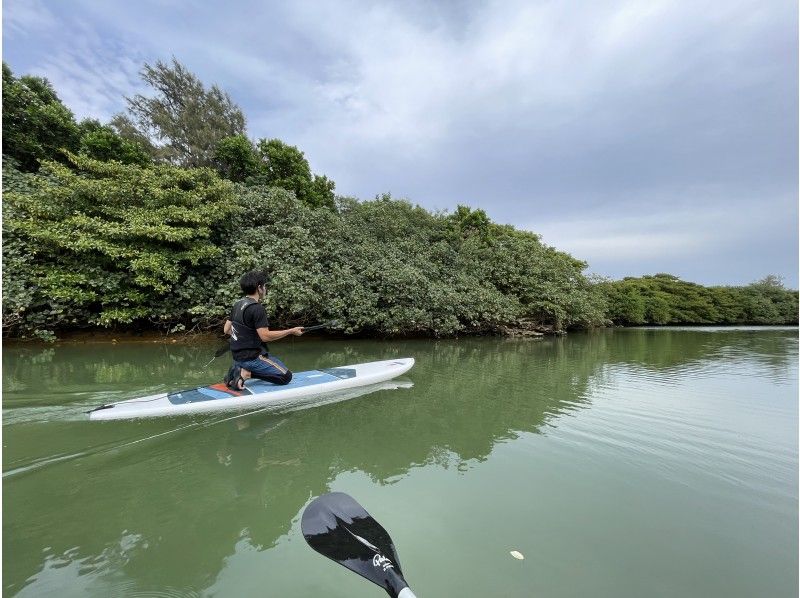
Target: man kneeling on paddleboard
<point>249,330</point>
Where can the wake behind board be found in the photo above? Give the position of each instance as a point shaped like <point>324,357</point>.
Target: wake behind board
<point>257,393</point>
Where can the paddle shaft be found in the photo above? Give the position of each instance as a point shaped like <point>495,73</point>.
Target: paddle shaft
<point>316,327</point>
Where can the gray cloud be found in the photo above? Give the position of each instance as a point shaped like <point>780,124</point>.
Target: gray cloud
<point>641,136</point>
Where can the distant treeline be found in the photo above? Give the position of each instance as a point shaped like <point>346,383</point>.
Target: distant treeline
<point>148,221</point>
<point>665,299</point>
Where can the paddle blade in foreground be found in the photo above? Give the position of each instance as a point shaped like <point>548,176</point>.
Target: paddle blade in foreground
<point>336,526</point>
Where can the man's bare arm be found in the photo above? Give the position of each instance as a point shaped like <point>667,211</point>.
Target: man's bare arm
<point>267,335</point>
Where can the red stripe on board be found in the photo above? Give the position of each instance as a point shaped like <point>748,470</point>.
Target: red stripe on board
<point>221,386</point>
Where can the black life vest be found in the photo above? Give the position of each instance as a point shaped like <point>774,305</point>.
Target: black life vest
<point>242,336</point>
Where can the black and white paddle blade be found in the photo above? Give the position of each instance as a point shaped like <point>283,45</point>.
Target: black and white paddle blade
<point>336,526</point>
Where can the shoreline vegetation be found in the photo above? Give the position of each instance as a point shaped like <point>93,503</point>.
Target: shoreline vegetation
<point>145,224</point>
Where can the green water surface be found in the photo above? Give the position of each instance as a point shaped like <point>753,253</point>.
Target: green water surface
<point>620,463</point>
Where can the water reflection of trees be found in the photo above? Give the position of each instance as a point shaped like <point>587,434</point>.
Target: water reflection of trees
<point>658,349</point>
<point>91,367</point>
<point>184,500</point>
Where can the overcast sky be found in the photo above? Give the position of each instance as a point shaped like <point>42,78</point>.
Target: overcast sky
<point>641,136</point>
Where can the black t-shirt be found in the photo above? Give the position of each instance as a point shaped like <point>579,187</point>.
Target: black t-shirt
<point>254,316</point>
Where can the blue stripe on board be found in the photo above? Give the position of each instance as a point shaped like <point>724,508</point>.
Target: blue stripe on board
<point>195,395</point>
<point>300,379</point>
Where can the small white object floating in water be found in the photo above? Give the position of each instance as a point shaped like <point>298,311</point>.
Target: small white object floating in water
<point>517,555</point>
<point>257,393</point>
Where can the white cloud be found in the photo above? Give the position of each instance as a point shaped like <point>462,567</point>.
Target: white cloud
<point>27,17</point>
<point>688,239</point>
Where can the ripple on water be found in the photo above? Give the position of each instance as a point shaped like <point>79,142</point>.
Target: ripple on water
<point>95,574</point>
<point>663,422</point>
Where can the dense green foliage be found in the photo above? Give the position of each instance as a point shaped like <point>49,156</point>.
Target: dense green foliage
<point>37,126</point>
<point>273,163</point>
<point>111,244</point>
<point>103,243</point>
<point>236,158</point>
<point>665,299</point>
<point>286,167</point>
<point>101,142</point>
<point>103,227</point>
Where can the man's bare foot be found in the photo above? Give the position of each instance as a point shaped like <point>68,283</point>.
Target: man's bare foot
<point>243,375</point>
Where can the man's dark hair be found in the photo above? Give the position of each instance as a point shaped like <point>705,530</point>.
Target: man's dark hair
<point>252,280</point>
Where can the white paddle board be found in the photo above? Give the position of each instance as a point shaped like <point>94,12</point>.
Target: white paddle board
<point>257,393</point>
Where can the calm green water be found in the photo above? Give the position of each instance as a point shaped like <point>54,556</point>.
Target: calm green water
<point>620,463</point>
